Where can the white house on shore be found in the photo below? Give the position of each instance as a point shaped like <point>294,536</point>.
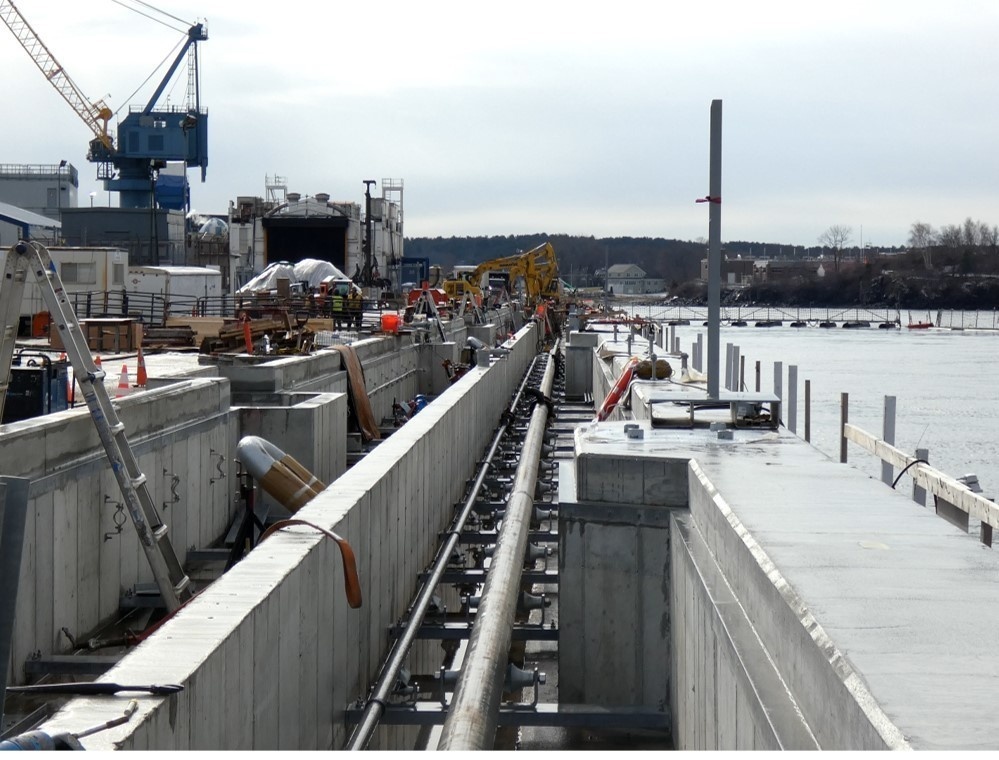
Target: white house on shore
<point>630,279</point>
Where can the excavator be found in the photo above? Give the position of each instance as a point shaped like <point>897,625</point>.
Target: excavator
<point>536,268</point>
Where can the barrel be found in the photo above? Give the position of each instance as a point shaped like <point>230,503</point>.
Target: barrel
<point>390,323</point>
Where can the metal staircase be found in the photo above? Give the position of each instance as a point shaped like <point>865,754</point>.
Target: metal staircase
<point>24,257</point>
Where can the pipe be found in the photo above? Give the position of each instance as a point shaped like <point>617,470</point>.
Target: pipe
<point>280,474</point>
<point>474,713</point>
<point>15,510</point>
<point>375,707</point>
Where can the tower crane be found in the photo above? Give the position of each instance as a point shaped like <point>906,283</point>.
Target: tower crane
<point>148,137</point>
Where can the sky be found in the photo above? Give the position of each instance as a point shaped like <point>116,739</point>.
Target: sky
<point>577,118</point>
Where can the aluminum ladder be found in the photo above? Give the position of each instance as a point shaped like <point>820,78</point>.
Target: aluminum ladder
<point>24,257</point>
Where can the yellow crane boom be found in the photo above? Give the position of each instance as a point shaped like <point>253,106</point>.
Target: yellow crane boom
<point>95,114</point>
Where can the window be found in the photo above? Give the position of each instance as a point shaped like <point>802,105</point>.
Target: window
<point>79,273</point>
<point>117,274</point>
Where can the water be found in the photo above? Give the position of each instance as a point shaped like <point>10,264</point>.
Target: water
<point>944,382</point>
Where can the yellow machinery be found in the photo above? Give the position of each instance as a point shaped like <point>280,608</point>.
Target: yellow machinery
<point>537,269</point>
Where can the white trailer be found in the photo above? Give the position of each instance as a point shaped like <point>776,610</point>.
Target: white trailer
<point>163,290</point>
<point>83,270</point>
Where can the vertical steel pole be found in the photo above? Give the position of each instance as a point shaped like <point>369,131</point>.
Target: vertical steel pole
<point>14,502</point>
<point>919,494</point>
<point>808,410</point>
<point>714,249</point>
<point>888,435</point>
<point>728,367</point>
<point>742,373</point>
<point>792,398</point>
<point>779,384</point>
<point>757,377</point>
<point>844,417</point>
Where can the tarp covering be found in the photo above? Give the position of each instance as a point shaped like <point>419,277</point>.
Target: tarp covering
<point>313,271</point>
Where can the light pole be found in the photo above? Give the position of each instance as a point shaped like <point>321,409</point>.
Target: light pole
<point>92,194</point>
<point>62,165</point>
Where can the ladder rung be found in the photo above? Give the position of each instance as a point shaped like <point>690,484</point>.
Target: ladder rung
<point>117,428</point>
<point>138,481</point>
<point>160,531</point>
<point>182,584</point>
<point>93,377</point>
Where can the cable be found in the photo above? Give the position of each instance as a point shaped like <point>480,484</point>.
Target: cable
<point>914,461</point>
<point>151,74</point>
<point>153,18</point>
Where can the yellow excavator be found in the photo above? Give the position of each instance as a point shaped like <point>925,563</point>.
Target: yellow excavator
<point>536,268</point>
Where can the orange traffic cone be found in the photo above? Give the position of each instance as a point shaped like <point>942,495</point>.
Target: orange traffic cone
<point>140,373</point>
<point>70,384</point>
<point>122,382</point>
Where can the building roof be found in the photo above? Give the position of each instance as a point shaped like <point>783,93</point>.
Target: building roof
<point>625,270</point>
<point>23,218</point>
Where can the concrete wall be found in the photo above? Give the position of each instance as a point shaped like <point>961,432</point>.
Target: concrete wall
<point>271,654</point>
<point>839,714</point>
<point>72,575</point>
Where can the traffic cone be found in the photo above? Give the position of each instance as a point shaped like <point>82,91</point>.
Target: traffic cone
<point>140,373</point>
<point>122,382</point>
<point>70,382</point>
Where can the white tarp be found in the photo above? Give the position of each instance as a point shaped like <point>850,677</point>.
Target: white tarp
<point>312,271</point>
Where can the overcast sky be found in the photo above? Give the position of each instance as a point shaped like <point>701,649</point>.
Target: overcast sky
<point>578,118</point>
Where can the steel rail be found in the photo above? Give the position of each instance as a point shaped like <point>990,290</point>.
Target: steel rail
<point>474,712</point>
<point>375,707</point>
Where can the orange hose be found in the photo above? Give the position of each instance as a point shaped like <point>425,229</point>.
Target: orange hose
<point>351,581</point>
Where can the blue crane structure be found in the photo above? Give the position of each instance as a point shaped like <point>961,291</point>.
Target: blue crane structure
<point>148,137</point>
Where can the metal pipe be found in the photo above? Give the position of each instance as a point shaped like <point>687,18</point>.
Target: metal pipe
<point>375,707</point>
<point>15,509</point>
<point>474,713</point>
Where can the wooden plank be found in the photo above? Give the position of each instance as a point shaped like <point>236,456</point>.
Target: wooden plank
<point>927,477</point>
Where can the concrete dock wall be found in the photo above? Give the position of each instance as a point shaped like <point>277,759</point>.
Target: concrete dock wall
<point>76,563</point>
<point>271,654</point>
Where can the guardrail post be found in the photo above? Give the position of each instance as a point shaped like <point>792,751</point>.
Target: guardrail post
<point>888,436</point>
<point>792,398</point>
<point>808,411</point>
<point>779,383</point>
<point>919,494</point>
<point>844,417</point>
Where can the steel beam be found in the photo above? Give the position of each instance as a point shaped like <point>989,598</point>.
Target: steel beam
<point>541,715</point>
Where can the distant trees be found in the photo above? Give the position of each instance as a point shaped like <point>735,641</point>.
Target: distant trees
<point>835,238</point>
<point>922,238</point>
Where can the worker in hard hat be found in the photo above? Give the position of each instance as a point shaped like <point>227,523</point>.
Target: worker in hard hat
<point>337,302</point>
<point>354,308</point>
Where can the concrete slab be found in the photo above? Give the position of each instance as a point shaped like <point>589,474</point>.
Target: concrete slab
<point>899,602</point>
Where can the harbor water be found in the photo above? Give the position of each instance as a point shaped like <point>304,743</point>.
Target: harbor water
<point>944,382</point>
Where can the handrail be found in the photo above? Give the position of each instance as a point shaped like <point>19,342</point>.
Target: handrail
<point>929,478</point>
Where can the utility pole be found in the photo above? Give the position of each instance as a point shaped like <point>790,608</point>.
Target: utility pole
<point>714,248</point>
<point>366,272</point>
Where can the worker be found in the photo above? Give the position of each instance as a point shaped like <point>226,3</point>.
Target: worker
<point>337,309</point>
<point>354,310</point>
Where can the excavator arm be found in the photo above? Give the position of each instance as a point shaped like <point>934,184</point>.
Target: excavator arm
<point>95,114</point>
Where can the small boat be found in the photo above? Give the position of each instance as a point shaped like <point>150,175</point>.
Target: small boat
<point>919,325</point>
